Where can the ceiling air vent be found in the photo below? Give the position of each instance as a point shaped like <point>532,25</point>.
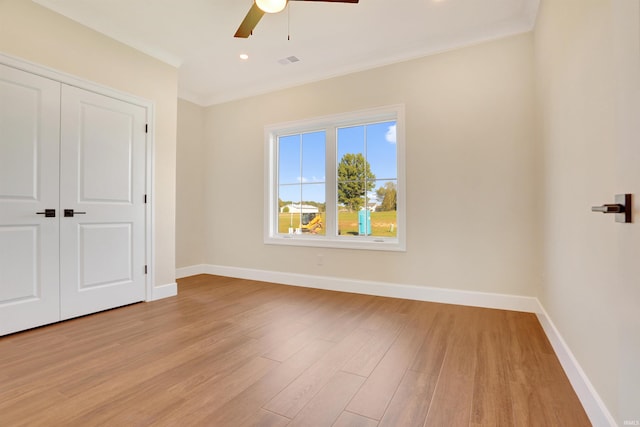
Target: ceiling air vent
<point>288,60</point>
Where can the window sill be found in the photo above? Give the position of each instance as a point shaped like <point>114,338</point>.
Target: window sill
<point>359,243</point>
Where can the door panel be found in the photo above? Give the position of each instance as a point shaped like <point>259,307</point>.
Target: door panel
<point>19,263</point>
<point>105,149</point>
<point>102,175</point>
<point>21,119</point>
<point>98,270</point>
<point>29,161</point>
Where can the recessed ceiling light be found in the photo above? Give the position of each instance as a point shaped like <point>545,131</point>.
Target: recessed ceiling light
<point>244,56</point>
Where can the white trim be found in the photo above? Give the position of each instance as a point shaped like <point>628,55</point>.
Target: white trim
<point>150,209</point>
<point>149,106</point>
<point>192,270</point>
<point>393,290</point>
<point>593,405</point>
<point>164,291</point>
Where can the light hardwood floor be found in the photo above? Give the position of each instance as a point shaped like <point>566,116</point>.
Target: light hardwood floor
<point>229,352</point>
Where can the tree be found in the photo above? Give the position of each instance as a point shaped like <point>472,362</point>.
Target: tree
<point>388,194</point>
<point>355,179</point>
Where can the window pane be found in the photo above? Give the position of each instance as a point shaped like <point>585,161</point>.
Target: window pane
<point>355,181</point>
<point>313,158</point>
<point>306,216</point>
<point>288,208</point>
<point>350,140</point>
<point>381,150</point>
<point>383,206</point>
<point>301,174</point>
<point>313,217</point>
<point>289,159</point>
<point>348,221</point>
<point>353,171</point>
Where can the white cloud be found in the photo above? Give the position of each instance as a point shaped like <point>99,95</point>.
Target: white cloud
<point>305,180</point>
<point>390,136</point>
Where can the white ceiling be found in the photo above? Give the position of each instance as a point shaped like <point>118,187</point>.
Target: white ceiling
<point>330,39</point>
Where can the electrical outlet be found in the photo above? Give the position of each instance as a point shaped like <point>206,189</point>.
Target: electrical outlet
<point>320,259</point>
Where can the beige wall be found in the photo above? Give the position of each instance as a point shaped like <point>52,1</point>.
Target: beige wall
<point>472,172</point>
<point>588,75</point>
<point>33,33</point>
<point>190,213</point>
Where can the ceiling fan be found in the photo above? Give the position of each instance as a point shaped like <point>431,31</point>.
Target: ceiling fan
<point>260,7</point>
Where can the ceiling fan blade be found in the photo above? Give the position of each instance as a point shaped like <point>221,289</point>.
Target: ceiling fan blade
<point>250,21</point>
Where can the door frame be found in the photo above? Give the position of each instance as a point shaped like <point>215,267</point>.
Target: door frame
<point>149,107</point>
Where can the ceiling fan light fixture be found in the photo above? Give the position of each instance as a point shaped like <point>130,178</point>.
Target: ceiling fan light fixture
<point>271,6</point>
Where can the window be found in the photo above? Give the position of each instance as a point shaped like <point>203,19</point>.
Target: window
<point>337,181</point>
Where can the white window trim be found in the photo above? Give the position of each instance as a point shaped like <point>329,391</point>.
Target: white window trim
<point>271,133</point>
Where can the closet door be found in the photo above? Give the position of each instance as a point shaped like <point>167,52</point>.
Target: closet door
<point>102,181</point>
<point>29,159</point>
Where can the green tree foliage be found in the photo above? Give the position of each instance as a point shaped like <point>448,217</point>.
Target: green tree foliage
<point>355,179</point>
<point>388,194</point>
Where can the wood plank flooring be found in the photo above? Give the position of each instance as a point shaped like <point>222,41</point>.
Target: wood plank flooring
<point>229,352</point>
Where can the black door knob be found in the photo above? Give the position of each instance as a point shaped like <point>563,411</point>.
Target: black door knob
<point>48,213</point>
<point>69,213</point>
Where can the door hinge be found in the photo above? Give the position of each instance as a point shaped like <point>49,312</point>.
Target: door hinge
<point>145,269</point>
<point>145,198</point>
<point>146,128</point>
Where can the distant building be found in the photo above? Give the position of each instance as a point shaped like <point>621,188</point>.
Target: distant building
<point>293,208</point>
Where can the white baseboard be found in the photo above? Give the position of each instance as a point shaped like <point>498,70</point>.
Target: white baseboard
<point>593,405</point>
<point>164,291</point>
<point>191,270</point>
<point>419,293</point>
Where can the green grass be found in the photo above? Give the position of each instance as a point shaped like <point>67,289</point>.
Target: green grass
<point>383,224</point>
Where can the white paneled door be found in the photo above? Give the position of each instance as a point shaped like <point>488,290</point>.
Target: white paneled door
<point>102,191</point>
<point>29,153</point>
<point>72,201</point>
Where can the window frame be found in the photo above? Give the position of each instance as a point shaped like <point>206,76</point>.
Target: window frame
<point>330,124</point>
